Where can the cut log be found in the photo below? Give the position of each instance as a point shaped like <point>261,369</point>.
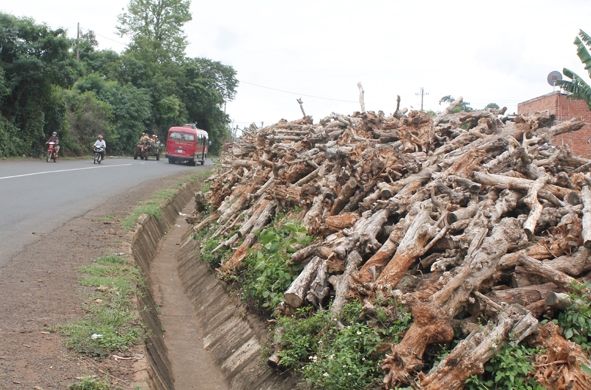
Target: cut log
<point>536,267</point>
<point>411,247</point>
<point>524,296</point>
<point>432,319</point>
<point>531,200</point>
<point>250,239</point>
<point>343,287</point>
<point>470,355</point>
<point>319,287</point>
<point>586,198</point>
<point>501,181</point>
<point>378,261</point>
<point>297,291</point>
<point>346,192</point>
<point>341,221</point>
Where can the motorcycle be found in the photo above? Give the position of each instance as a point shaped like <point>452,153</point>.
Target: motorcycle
<point>52,151</point>
<point>98,154</point>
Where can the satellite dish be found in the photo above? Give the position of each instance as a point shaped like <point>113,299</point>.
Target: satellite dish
<point>553,77</point>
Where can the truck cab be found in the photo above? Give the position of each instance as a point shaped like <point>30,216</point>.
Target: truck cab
<point>186,144</point>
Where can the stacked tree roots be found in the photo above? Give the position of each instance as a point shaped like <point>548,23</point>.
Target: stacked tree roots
<point>469,213</point>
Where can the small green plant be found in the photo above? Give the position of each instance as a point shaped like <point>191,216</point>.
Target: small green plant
<point>152,206</point>
<point>575,320</point>
<point>90,384</point>
<point>107,218</point>
<point>111,322</point>
<point>213,259</point>
<point>267,272</point>
<point>511,368</point>
<point>337,353</point>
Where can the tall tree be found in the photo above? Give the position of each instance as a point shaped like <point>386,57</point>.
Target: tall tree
<point>156,28</point>
<point>576,85</point>
<point>34,60</point>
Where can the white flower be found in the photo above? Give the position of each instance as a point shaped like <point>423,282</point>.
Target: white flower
<point>363,359</point>
<point>358,332</point>
<point>325,374</point>
<point>348,373</point>
<point>331,357</point>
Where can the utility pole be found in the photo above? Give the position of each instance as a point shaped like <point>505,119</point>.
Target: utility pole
<point>77,43</point>
<point>422,93</point>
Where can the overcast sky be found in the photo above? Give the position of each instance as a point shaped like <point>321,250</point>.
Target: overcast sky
<point>500,51</point>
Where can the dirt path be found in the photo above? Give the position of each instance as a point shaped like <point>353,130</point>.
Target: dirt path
<point>191,365</point>
<point>39,289</point>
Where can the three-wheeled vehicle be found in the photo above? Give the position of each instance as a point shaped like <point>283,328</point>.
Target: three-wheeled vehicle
<point>186,144</point>
<point>145,150</point>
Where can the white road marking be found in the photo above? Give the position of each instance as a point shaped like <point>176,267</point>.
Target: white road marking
<point>64,170</point>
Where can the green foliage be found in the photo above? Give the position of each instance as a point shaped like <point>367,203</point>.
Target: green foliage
<point>90,384</point>
<point>110,323</point>
<point>511,368</point>
<point>575,320</point>
<point>577,85</point>
<point>34,59</point>
<point>156,28</point>
<point>337,353</point>
<point>151,87</point>
<point>213,259</point>
<point>267,270</point>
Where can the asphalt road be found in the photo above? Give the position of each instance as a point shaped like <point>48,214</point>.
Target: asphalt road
<point>36,197</point>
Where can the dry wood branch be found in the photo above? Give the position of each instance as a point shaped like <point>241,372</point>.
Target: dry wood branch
<point>342,290</point>
<point>586,198</point>
<point>297,291</point>
<point>559,367</point>
<point>468,357</point>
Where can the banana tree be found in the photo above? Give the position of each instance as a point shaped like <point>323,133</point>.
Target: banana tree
<point>576,85</point>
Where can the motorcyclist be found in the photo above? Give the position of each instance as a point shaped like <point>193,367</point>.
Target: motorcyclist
<point>54,138</point>
<point>100,143</point>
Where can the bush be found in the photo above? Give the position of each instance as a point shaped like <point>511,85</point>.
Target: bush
<point>338,353</point>
<point>511,368</point>
<point>268,272</point>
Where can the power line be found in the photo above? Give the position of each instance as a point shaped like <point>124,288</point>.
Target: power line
<point>299,94</point>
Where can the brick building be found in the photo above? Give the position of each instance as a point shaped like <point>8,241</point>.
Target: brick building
<point>564,109</point>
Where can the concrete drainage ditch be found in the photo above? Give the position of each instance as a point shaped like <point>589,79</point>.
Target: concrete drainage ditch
<point>231,338</point>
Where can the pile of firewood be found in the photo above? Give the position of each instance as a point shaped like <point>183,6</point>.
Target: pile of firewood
<point>481,211</point>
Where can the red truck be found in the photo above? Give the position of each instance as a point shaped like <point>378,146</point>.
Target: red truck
<point>186,144</point>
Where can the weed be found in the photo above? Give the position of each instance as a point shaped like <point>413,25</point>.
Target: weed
<point>213,259</point>
<point>575,320</point>
<point>90,384</point>
<point>111,322</point>
<point>337,353</point>
<point>267,272</point>
<point>107,218</point>
<point>511,368</point>
<point>152,206</point>
<point>200,175</point>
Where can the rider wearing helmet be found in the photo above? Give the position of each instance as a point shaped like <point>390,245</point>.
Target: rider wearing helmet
<point>100,143</point>
<point>54,138</point>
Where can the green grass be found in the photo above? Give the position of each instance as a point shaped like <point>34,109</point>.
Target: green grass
<point>107,218</point>
<point>110,312</point>
<point>91,384</point>
<point>200,175</point>
<point>152,206</point>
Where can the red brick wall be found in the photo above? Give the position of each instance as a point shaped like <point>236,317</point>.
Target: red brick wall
<point>564,109</point>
